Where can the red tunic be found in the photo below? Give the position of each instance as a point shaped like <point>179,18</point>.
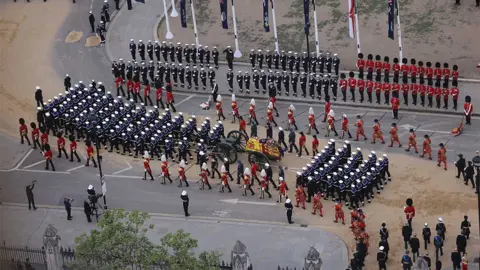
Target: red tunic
<point>395,103</point>
<point>251,111</point>
<point>445,93</point>
<point>413,70</point>
<point>378,87</point>
<point>235,107</point>
<point>438,92</point>
<point>378,66</point>
<point>243,125</point>
<point>430,91</point>
<point>181,173</point>
<point>311,120</point>
<point>412,139</point>
<point>315,143</point>
<point>165,169</point>
<point>291,118</point>
<point>360,63</point>
<point>370,65</point>
<point>224,179</point>
<point>386,67</point>
<point>396,68</point>
<point>394,133</point>
<point>442,154</point>
<point>438,73</point>
<point>35,134</point>
<point>352,83</point>
<point>359,126</point>
<point>158,93</point>
<point>44,138</point>
<point>395,87</point>
<point>455,75</point>
<point>454,92</point>
<point>270,115</point>
<point>404,69</point>
<point>446,73</point>
<point>73,146</point>
<point>429,72</point>
<point>409,212</point>
<point>246,181</point>
<point>136,87</point>
<point>283,188</point>
<point>169,97</point>
<point>129,85</point>
<point>273,100</point>
<point>345,124</point>
<point>48,155</point>
<point>338,211</point>
<point>254,169</point>
<point>146,91</point>
<point>386,87</point>
<point>302,140</point>
<point>23,130</point>
<point>369,86</point>
<point>405,88</point>
<point>468,108</point>
<point>90,151</point>
<point>422,89</point>
<point>361,85</point>
<point>343,85</point>
<point>118,81</point>
<point>146,164</point>
<point>328,105</point>
<point>414,89</point>
<point>219,108</point>
<point>60,143</point>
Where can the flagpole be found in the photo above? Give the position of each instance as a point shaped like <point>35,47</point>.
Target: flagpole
<point>174,11</point>
<point>357,29</point>
<point>400,47</point>
<point>169,34</point>
<point>317,43</point>
<point>237,53</point>
<point>274,27</point>
<point>194,24</point>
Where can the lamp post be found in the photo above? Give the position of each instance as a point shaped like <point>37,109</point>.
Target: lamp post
<point>476,164</point>
<point>95,135</point>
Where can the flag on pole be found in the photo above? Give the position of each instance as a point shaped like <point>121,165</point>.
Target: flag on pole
<point>391,18</point>
<point>224,14</point>
<point>183,13</point>
<point>351,18</point>
<point>306,11</point>
<point>266,25</point>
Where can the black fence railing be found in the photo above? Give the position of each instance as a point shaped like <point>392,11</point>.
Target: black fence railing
<point>17,257</point>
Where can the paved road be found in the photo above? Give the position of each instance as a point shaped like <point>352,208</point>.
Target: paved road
<point>216,235</point>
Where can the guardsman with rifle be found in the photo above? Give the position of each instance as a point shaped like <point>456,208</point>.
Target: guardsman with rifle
<point>442,156</point>
<point>412,141</point>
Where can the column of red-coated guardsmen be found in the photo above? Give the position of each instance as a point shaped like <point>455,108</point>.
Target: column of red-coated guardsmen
<point>425,83</point>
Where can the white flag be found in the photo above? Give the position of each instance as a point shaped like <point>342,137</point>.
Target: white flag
<point>351,18</point>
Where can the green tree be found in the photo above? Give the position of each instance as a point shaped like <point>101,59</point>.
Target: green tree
<point>120,242</point>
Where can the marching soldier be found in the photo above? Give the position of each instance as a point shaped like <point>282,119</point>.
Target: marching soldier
<point>278,82</point>
<point>264,186</point>
<point>330,124</point>
<point>235,109</point>
<point>253,58</point>
<point>311,121</point>
<point>395,106</point>
<point>300,196</point>
<point>377,132</point>
<point>291,117</point>
<point>442,156</point>
<point>146,166</point>
<point>339,213</point>
<point>426,148</point>
<point>270,118</point>
<point>35,135</point>
<point>181,75</point>
<point>343,86</point>
<point>24,132</point>
<point>315,144</point>
<point>170,99</point>
<point>468,109</point>
<point>133,50</point>
<point>283,60</point>
<point>291,141</point>
<point>178,52</point>
<point>187,51</point>
<point>201,54</point>
<point>251,111</point>
<point>286,82</point>
<point>90,155</point>
<point>256,80</point>
<point>412,141</point>
<point>345,129</point>
<point>301,142</point>
<point>156,50</point>
<point>73,148</point>
<point>215,55</point>
<point>165,171</point>
<point>269,59</point>
<point>181,174</point>
<point>317,204</point>
<point>204,176</point>
<point>246,79</point>
<point>260,58</point>
<point>240,80</point>
<point>60,145</point>
<point>48,155</point>
<point>394,136</point>
<point>224,179</point>
<point>294,82</point>
<point>219,108</point>
<point>247,183</point>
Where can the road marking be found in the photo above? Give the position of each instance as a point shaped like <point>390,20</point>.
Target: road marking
<point>76,168</point>
<point>121,176</point>
<point>91,5</point>
<point>20,162</point>
<point>40,171</point>
<point>222,213</point>
<point>124,170</point>
<point>237,201</point>
<point>34,164</point>
<point>186,99</point>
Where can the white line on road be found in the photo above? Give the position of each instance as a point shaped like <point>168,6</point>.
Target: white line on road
<point>40,171</point>
<point>34,164</point>
<point>91,5</point>
<point>186,99</point>
<point>20,162</point>
<point>236,201</point>
<point>121,176</point>
<point>76,168</point>
<point>124,170</point>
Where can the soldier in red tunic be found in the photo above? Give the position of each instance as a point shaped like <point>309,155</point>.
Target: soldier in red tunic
<point>395,106</point>
<point>136,92</point>
<point>273,100</point>
<point>165,172</point>
<point>181,174</point>
<point>73,149</point>
<point>360,130</point>
<point>224,180</point>
<point>396,70</point>
<point>468,109</point>
<point>331,124</point>
<point>446,74</point>
<point>302,140</point>
<point>426,148</point>
<point>282,189</point>
<point>378,68</point>
<point>300,197</point>
<point>413,71</point>
<point>386,69</point>
<point>430,94</point>
<point>291,117</point>
<point>146,94</point>
<point>414,89</point>
<point>311,121</point>
<point>421,73</point>
<point>315,144</point>
<point>158,97</point>
<point>454,92</point>
<point>438,95</point>
<point>317,204</point>
<point>327,108</point>
<point>219,108</point>
<point>394,136</point>
<point>48,155</point>
<point>61,145</point>
<point>253,173</point>
<point>246,182</point>
<point>204,176</point>
<point>352,83</point>
<point>369,86</point>
<point>35,135</point>
<point>377,132</point>
<point>43,138</point>
<point>264,185</point>
<point>405,89</point>
<point>360,65</point>
<point>251,113</point>
<point>438,72</point>
<point>119,85</point>
<point>90,154</point>
<point>378,91</point>
<point>146,166</point>
<point>235,108</point>
<point>343,86</point>
<point>455,75</point>
<point>409,211</point>
<point>423,92</point>
<point>270,118</point>
<point>242,126</point>
<point>345,129</point>
<point>129,85</point>
<point>386,88</point>
<point>339,213</point>
<point>445,94</point>
<point>442,156</point>
<point>370,66</point>
<point>412,141</point>
<point>429,73</point>
<point>23,131</point>
<point>170,99</point>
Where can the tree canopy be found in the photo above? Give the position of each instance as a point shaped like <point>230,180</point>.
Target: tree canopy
<point>121,242</point>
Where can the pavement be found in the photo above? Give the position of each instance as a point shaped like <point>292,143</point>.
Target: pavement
<point>220,235</point>
<point>142,24</point>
